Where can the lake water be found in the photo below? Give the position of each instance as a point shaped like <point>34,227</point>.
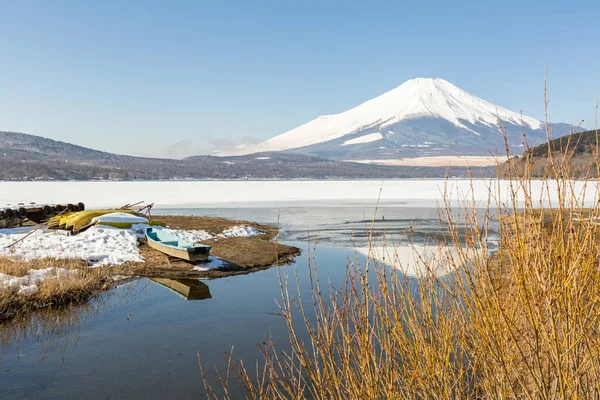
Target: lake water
<point>141,340</point>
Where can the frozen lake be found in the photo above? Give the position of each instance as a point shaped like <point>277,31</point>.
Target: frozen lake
<point>186,194</point>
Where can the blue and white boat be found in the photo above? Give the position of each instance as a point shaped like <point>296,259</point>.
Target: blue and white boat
<point>174,246</point>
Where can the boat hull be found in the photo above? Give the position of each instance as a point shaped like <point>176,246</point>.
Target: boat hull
<point>178,253</point>
<point>176,247</point>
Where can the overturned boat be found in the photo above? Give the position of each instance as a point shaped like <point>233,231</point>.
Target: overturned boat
<point>174,246</point>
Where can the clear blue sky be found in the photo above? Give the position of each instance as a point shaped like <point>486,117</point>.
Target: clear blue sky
<point>137,77</point>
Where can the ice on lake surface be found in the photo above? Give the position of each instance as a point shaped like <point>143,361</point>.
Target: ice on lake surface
<point>265,193</point>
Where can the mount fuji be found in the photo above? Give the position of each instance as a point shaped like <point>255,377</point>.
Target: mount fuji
<point>423,117</point>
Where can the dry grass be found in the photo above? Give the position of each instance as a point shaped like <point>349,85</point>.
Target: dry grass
<point>52,291</point>
<point>522,321</point>
<point>19,267</point>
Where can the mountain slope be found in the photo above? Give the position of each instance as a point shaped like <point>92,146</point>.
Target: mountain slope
<point>28,157</point>
<point>31,147</point>
<point>35,147</point>
<point>421,117</point>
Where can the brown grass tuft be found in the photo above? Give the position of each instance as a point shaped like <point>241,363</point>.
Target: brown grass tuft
<point>52,291</point>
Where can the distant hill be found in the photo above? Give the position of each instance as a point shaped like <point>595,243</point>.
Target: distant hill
<point>14,144</point>
<point>29,157</point>
<point>580,143</point>
<point>580,146</point>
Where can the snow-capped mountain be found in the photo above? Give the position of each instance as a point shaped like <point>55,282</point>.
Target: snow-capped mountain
<point>421,117</point>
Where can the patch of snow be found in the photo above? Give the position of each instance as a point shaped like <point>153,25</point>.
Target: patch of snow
<point>262,158</point>
<point>99,245</point>
<point>191,235</point>
<point>139,230</point>
<point>239,231</point>
<point>28,284</point>
<point>439,161</point>
<point>28,290</point>
<point>371,137</point>
<point>194,236</point>
<point>213,263</point>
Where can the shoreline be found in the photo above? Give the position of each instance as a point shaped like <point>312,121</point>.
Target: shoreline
<point>231,256</point>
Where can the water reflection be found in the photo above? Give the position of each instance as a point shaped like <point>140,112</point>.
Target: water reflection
<point>53,329</point>
<point>56,329</point>
<point>189,289</point>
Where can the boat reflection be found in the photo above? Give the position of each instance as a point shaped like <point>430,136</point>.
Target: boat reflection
<point>189,289</point>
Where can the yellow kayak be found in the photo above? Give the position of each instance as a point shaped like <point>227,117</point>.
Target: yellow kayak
<point>127,225</point>
<point>75,221</point>
<point>58,220</point>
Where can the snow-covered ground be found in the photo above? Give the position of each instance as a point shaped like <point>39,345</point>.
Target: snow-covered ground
<point>99,245</point>
<point>187,194</point>
<point>200,235</point>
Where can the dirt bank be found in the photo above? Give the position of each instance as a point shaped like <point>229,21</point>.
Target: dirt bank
<point>240,254</point>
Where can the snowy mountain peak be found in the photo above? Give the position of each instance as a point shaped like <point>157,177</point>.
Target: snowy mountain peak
<point>445,108</point>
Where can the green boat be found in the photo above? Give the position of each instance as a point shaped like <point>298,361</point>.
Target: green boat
<point>174,246</point>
